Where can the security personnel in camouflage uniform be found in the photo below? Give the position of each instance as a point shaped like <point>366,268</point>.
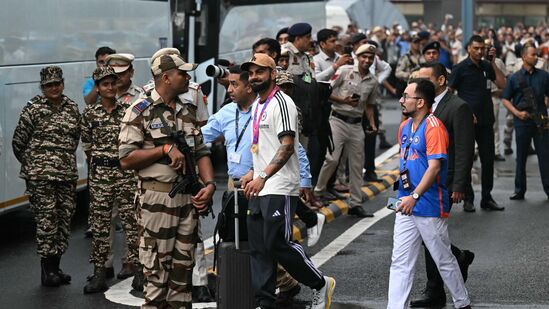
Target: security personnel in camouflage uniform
<point>126,94</point>
<point>410,61</point>
<point>45,142</point>
<point>168,226</point>
<point>108,184</point>
<point>195,98</point>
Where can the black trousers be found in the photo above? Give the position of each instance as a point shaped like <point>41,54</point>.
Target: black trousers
<point>269,235</point>
<point>484,136</point>
<point>306,214</point>
<point>370,144</point>
<point>435,284</point>
<point>524,137</point>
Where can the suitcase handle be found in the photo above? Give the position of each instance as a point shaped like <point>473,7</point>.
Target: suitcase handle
<point>237,188</point>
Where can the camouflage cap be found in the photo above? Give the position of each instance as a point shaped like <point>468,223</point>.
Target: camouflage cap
<point>284,77</point>
<point>168,62</point>
<point>165,51</point>
<point>119,62</point>
<point>51,74</point>
<point>102,72</point>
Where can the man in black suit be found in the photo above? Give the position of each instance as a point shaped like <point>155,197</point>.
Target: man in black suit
<point>458,120</point>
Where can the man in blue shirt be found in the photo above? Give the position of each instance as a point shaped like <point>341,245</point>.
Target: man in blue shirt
<point>89,90</point>
<point>233,124</point>
<point>526,129</point>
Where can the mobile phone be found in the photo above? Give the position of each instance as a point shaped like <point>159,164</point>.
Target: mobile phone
<point>347,50</point>
<point>393,203</point>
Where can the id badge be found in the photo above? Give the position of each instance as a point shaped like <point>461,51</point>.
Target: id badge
<point>488,84</point>
<point>307,78</point>
<point>404,177</point>
<point>190,140</point>
<point>234,157</point>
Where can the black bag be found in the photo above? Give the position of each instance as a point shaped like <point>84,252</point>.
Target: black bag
<point>234,276</point>
<point>225,220</point>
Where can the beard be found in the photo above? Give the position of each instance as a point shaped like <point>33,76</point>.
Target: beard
<point>261,86</point>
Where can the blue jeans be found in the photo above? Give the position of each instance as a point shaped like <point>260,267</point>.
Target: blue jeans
<point>524,136</point>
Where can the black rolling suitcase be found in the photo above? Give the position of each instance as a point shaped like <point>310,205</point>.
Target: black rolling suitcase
<point>234,279</point>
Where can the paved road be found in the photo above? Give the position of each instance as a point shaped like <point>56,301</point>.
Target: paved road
<point>510,269</point>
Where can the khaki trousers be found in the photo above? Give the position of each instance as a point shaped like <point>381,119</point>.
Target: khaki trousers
<point>350,137</point>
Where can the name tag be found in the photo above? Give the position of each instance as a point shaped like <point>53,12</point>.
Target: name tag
<point>157,125</point>
<point>488,84</point>
<point>234,157</point>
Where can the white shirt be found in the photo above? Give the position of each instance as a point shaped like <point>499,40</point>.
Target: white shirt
<point>437,100</point>
<point>278,119</point>
<point>324,69</point>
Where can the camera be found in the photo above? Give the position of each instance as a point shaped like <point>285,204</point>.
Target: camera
<point>215,70</point>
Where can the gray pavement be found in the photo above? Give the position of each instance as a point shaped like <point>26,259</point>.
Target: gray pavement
<point>510,268</point>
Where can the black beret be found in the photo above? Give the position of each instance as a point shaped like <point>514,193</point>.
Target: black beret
<point>281,31</point>
<point>300,29</point>
<point>431,45</point>
<point>357,37</point>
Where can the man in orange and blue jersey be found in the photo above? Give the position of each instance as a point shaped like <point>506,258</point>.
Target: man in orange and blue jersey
<point>423,212</point>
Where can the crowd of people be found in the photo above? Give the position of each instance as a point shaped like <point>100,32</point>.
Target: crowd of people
<point>300,129</point>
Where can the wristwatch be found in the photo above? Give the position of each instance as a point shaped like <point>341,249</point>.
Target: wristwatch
<point>263,175</point>
<point>415,196</point>
<point>211,182</point>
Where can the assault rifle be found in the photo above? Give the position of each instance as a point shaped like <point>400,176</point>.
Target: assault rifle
<point>528,104</point>
<point>189,182</point>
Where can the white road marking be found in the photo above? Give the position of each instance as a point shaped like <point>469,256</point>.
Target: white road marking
<point>348,236</point>
<point>120,292</point>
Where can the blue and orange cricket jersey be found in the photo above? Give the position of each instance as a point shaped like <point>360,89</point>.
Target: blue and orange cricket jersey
<point>428,142</point>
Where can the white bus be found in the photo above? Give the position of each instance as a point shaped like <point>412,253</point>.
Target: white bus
<point>35,34</point>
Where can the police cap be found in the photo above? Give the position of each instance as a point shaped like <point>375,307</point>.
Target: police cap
<point>300,29</point>
<point>431,45</point>
<point>119,62</point>
<point>366,48</point>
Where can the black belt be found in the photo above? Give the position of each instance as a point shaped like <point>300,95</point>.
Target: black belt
<point>347,119</point>
<point>107,162</point>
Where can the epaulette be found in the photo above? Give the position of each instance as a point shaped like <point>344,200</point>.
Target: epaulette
<point>141,106</point>
<point>34,100</point>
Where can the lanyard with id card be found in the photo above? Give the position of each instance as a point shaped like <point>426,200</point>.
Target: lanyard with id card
<point>235,156</point>
<point>404,173</point>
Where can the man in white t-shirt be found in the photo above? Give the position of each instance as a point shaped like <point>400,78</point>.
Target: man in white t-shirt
<point>273,189</point>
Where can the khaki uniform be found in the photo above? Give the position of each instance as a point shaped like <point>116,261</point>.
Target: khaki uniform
<point>131,95</point>
<point>346,135</point>
<point>407,64</point>
<point>110,187</point>
<point>168,227</point>
<point>45,142</point>
<point>298,63</point>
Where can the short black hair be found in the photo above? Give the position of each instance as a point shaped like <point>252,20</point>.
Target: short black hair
<point>235,69</point>
<point>438,69</point>
<point>475,38</point>
<point>281,31</point>
<point>273,44</point>
<point>324,34</point>
<point>425,89</point>
<point>524,48</point>
<point>104,50</point>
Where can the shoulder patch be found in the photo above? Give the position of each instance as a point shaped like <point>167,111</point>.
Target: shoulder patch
<point>141,106</point>
<point>34,100</point>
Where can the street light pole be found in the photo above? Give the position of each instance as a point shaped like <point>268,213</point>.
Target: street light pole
<point>467,7</point>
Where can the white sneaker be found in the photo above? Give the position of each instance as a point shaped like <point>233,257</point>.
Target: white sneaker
<point>322,299</point>
<point>313,233</point>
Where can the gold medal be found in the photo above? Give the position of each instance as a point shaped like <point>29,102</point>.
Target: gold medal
<point>254,148</point>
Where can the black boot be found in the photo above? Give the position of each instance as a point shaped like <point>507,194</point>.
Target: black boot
<point>98,282</point>
<point>65,278</point>
<point>49,275</point>
<point>138,279</point>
